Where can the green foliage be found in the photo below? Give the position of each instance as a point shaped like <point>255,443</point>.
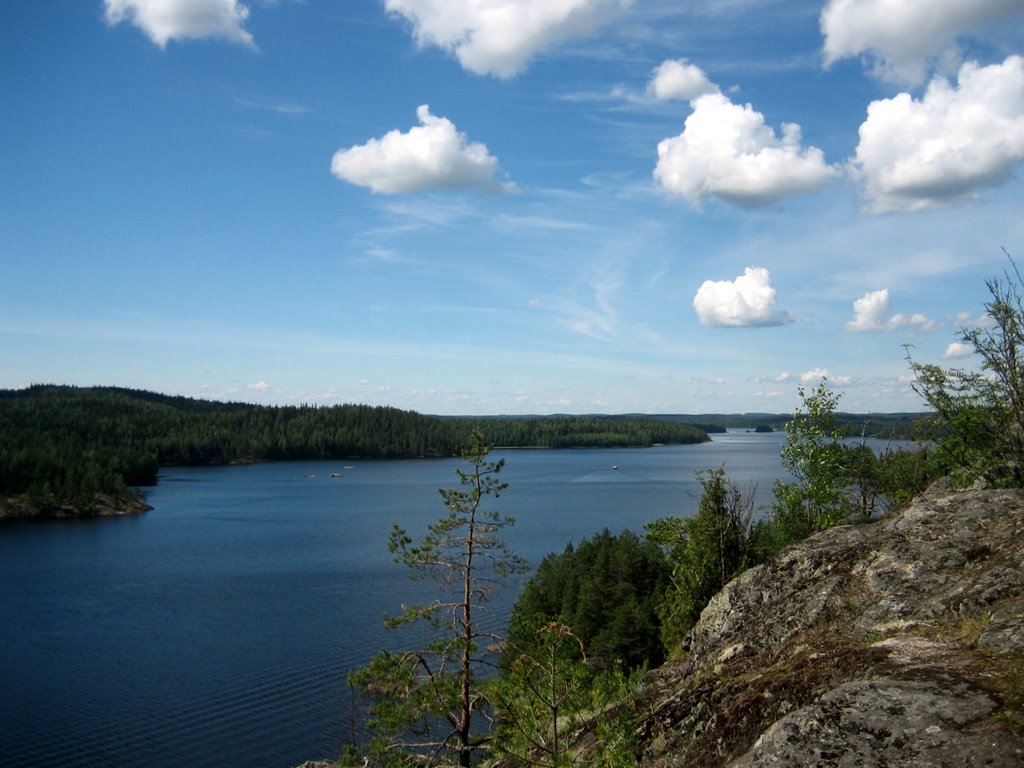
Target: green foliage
<point>606,590</point>
<point>548,695</point>
<point>65,445</point>
<point>425,702</point>
<point>901,475</point>
<point>705,551</point>
<point>586,431</point>
<point>877,482</point>
<point>815,456</point>
<point>980,415</point>
<point>863,474</point>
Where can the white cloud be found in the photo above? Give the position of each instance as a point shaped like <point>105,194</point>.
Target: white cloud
<point>943,149</point>
<point>501,38</point>
<point>259,386</point>
<point>281,108</point>
<point>676,79</point>
<point>916,321</point>
<point>871,313</point>
<point>903,36</point>
<point>815,374</point>
<point>957,351</point>
<point>431,155</point>
<point>164,20</point>
<point>749,300</point>
<point>726,150</point>
<point>823,374</point>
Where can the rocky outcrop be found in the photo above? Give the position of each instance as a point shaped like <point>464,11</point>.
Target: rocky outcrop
<point>897,643</point>
<point>24,508</point>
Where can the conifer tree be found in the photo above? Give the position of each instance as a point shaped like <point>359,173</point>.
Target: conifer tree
<point>428,704</point>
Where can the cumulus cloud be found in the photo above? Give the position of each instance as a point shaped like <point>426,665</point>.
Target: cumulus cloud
<point>501,38</point>
<point>902,36</point>
<point>957,351</point>
<point>821,374</point>
<point>749,300</point>
<point>727,151</point>
<point>941,150</point>
<point>677,79</point>
<point>431,155</point>
<point>164,20</point>
<point>871,313</point>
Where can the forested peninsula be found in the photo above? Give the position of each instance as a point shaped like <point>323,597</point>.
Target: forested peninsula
<point>69,451</point>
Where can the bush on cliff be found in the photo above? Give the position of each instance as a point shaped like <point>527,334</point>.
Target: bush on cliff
<point>979,415</point>
<point>705,551</point>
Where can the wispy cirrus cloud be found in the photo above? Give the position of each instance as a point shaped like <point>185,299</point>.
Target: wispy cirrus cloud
<point>278,107</point>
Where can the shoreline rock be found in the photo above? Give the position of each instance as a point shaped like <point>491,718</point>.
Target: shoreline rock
<point>22,508</point>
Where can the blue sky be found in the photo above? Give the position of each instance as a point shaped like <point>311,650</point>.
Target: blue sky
<point>527,206</point>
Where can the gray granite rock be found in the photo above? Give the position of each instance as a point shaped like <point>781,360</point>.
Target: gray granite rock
<point>887,644</point>
<point>882,722</point>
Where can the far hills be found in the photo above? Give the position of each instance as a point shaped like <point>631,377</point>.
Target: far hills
<point>74,450</point>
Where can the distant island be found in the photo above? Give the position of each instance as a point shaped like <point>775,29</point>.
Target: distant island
<point>72,452</point>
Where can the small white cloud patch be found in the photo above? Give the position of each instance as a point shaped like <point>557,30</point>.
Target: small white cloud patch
<point>727,151</point>
<point>164,20</point>
<point>957,351</point>
<point>431,155</point>
<point>941,150</point>
<point>677,79</point>
<point>749,300</point>
<point>871,313</point>
<point>815,374</point>
<point>501,38</point>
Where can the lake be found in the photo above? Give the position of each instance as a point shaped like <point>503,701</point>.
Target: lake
<point>218,628</point>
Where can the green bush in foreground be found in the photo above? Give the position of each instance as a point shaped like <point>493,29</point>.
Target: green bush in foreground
<point>980,414</point>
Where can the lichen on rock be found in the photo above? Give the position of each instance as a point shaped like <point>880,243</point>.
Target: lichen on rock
<point>894,643</point>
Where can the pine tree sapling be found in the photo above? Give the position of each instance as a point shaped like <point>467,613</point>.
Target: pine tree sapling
<point>549,695</point>
<point>426,703</point>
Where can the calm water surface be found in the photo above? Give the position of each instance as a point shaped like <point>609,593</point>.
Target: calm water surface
<point>218,628</point>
